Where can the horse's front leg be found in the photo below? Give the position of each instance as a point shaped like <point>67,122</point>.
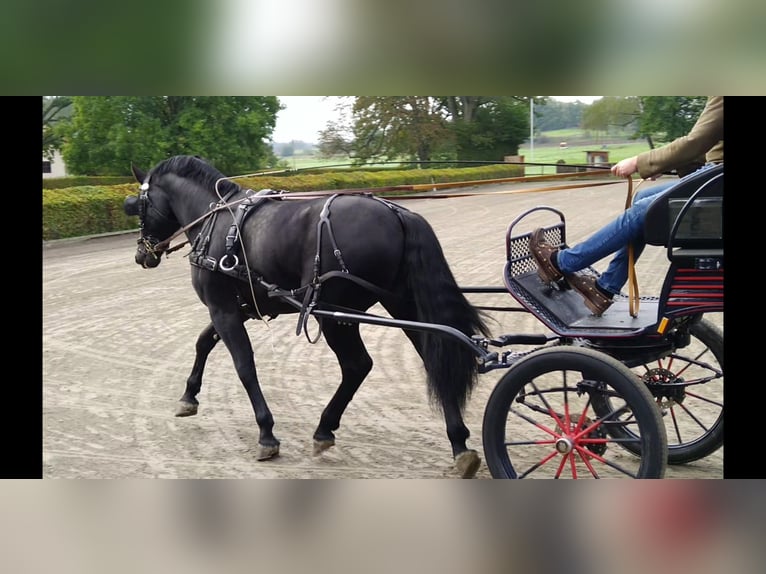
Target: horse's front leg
<point>231,328</point>
<point>188,404</point>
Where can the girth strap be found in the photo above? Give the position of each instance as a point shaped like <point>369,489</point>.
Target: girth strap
<point>314,288</point>
<point>324,221</point>
<point>311,297</point>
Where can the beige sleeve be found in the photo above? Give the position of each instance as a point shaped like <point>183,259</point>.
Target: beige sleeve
<point>691,148</point>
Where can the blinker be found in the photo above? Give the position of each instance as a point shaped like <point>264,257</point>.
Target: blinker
<point>132,205</point>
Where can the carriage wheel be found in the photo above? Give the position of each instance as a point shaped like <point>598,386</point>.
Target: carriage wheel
<point>539,421</point>
<point>688,387</point>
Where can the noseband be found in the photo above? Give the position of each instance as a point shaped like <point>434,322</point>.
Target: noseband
<point>140,206</point>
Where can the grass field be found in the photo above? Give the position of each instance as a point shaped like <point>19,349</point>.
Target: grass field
<point>576,154</point>
<point>308,161</point>
<point>546,150</point>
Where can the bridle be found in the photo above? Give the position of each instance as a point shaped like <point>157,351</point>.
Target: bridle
<point>141,205</point>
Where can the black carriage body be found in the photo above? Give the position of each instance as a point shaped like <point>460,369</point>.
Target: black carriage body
<point>688,220</point>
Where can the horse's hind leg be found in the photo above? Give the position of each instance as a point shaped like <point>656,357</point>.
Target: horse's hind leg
<point>187,405</point>
<point>355,364</point>
<point>467,461</point>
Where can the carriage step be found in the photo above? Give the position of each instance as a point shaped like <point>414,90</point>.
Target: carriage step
<point>520,339</point>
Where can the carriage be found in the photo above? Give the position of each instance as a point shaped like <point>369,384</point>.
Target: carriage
<point>666,344</point>
<point>621,395</point>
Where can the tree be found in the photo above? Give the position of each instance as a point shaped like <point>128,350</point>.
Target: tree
<point>336,139</point>
<point>392,127</point>
<point>665,118</point>
<point>108,133</point>
<point>488,127</point>
<point>427,127</point>
<point>56,110</point>
<point>610,112</point>
<point>655,118</point>
<point>287,150</point>
<point>557,115</point>
<point>462,108</point>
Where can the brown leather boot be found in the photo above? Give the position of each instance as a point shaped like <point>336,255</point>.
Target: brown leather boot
<point>585,285</point>
<point>542,253</point>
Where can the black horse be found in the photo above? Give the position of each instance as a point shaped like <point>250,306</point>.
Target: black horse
<point>342,251</point>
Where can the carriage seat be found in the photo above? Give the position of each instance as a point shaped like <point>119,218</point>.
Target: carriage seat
<point>688,217</point>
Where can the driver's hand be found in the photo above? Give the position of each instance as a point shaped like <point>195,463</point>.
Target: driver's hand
<point>626,167</point>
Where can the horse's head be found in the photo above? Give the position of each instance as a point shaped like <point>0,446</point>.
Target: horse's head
<point>156,218</point>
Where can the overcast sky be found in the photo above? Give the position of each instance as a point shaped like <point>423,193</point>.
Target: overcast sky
<point>305,116</point>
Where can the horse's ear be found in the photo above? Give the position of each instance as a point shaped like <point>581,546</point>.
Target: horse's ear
<point>138,174</point>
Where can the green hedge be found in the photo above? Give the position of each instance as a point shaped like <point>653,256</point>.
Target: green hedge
<point>94,209</point>
<point>82,181</point>
<point>382,178</point>
<point>88,210</point>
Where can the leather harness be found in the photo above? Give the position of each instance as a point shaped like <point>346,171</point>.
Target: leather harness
<point>229,263</point>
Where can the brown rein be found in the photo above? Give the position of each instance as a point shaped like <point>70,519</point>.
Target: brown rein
<point>164,246</point>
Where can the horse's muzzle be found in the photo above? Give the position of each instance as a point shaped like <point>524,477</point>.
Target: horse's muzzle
<point>147,260</point>
<point>146,256</point>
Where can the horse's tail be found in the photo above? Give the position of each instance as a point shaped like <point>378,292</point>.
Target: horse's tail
<point>451,367</point>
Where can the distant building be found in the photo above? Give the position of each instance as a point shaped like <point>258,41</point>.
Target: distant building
<point>597,157</point>
<point>54,168</point>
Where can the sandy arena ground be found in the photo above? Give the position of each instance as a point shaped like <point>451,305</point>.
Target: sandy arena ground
<point>118,344</point>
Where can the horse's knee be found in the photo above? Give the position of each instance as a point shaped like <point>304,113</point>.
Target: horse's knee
<point>207,340</point>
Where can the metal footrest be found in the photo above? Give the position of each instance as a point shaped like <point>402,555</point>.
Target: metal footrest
<point>564,312</point>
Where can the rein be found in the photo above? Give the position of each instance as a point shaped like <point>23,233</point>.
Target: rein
<point>453,184</point>
<point>220,206</point>
<point>165,245</point>
<point>633,295</point>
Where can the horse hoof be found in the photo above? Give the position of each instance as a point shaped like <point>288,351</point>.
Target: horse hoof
<point>322,445</point>
<point>267,452</point>
<point>467,463</point>
<point>185,409</point>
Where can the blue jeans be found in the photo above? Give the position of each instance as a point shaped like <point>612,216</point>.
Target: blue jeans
<point>614,237</point>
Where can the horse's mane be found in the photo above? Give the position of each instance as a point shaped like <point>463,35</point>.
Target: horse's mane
<point>198,170</point>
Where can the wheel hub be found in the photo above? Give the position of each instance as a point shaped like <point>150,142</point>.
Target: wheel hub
<point>564,445</point>
<point>665,386</point>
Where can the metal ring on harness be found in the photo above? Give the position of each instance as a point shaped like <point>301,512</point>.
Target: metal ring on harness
<point>223,266</point>
<point>305,325</point>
